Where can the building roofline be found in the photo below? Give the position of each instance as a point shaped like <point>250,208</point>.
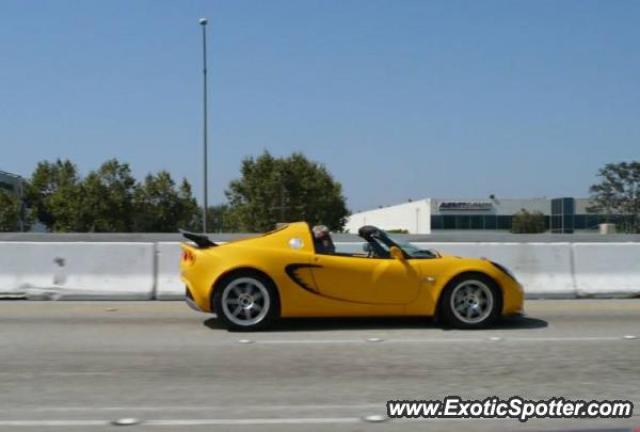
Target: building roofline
<point>11,175</point>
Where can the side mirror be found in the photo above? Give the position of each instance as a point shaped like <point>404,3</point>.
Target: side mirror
<point>396,253</point>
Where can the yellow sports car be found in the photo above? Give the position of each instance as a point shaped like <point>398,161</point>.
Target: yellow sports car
<point>287,272</point>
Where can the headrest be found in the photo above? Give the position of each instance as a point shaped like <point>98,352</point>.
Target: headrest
<point>368,231</point>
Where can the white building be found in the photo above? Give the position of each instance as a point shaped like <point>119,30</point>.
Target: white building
<point>421,217</point>
<point>413,217</point>
<point>11,183</point>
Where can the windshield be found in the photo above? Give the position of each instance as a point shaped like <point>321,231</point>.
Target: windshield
<point>410,250</point>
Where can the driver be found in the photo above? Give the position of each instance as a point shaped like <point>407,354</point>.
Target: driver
<point>322,240</point>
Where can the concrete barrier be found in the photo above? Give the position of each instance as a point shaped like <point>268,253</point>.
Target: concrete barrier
<point>77,270</point>
<point>607,269</point>
<point>105,270</point>
<point>544,269</point>
<point>168,283</point>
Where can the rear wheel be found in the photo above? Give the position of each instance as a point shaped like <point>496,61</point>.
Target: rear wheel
<point>246,301</point>
<point>471,301</point>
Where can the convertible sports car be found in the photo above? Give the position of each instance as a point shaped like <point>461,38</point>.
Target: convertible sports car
<point>251,282</point>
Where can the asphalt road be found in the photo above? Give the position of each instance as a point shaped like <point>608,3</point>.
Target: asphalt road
<point>80,365</point>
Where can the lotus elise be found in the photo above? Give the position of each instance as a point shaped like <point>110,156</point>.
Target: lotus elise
<point>249,283</point>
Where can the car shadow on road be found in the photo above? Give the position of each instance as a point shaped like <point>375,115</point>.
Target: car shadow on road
<point>385,323</point>
<point>519,323</point>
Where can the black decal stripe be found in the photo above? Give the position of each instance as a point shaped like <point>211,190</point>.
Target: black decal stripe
<point>291,272</point>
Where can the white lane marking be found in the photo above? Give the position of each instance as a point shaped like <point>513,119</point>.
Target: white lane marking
<point>309,341</point>
<point>381,341</point>
<point>61,373</point>
<point>200,408</point>
<point>254,421</point>
<point>127,421</point>
<point>375,418</point>
<point>44,423</point>
<point>53,374</point>
<point>440,340</point>
<point>185,422</point>
<point>566,339</point>
<point>231,421</point>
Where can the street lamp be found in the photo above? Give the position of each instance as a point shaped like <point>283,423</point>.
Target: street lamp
<point>203,24</point>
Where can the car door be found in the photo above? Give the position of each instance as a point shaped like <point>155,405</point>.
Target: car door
<point>365,280</point>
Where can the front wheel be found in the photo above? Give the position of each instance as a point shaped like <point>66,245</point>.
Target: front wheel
<point>471,301</point>
<point>246,301</point>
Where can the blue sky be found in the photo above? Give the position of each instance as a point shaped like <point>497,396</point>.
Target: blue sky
<point>399,99</point>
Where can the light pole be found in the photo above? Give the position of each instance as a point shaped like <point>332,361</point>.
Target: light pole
<point>203,24</point>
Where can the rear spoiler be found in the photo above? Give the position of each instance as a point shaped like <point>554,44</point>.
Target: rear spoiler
<point>200,239</point>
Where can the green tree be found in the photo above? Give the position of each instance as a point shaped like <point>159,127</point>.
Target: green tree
<point>619,192</point>
<point>525,222</point>
<point>9,212</point>
<point>107,199</point>
<point>53,193</point>
<point>273,190</point>
<point>219,219</point>
<point>160,206</point>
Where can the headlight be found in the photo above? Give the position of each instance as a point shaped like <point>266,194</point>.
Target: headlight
<point>504,270</point>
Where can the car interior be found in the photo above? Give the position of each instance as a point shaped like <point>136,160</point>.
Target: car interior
<point>377,245</point>
<point>372,248</point>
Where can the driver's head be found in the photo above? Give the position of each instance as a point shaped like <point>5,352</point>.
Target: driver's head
<point>320,232</point>
<point>322,239</point>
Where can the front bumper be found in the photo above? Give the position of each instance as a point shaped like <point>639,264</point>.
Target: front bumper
<point>513,297</point>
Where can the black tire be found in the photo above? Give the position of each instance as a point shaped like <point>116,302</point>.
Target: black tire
<point>470,301</point>
<point>237,297</point>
